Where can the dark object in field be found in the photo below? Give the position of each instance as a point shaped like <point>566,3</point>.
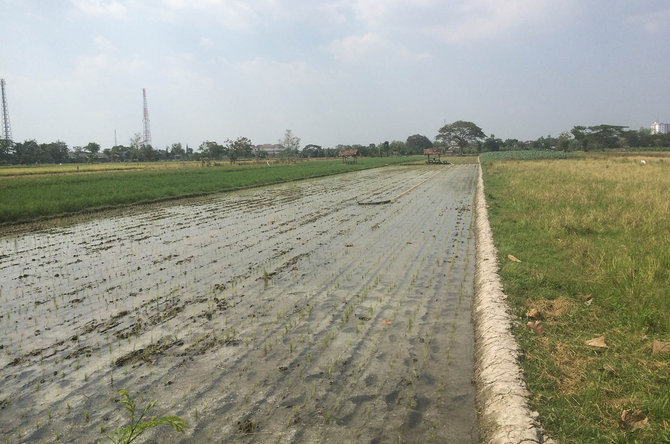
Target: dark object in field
<point>434,160</point>
<point>378,202</point>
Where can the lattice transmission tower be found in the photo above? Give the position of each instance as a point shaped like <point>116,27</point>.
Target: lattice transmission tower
<point>6,128</point>
<point>147,129</point>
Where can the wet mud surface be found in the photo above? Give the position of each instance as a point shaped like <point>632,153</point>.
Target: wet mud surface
<point>280,314</point>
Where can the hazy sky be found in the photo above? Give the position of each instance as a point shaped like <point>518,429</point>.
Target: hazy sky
<point>342,71</point>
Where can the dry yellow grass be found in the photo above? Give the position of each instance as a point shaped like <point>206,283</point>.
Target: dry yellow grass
<point>597,226</point>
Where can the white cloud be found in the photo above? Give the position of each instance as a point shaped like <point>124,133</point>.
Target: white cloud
<point>378,13</point>
<point>356,47</point>
<point>185,72</point>
<point>206,42</point>
<point>233,14</point>
<point>274,73</point>
<point>100,67</point>
<point>371,46</point>
<point>461,20</point>
<point>178,4</point>
<point>112,9</point>
<point>103,44</point>
<point>491,19</point>
<point>652,22</point>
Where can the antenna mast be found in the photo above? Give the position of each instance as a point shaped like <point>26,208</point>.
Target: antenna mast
<point>147,130</point>
<point>6,128</point>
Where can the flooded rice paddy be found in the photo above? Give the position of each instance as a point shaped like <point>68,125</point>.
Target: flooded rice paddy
<point>280,314</point>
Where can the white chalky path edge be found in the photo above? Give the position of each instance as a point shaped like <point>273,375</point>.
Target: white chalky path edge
<point>503,413</point>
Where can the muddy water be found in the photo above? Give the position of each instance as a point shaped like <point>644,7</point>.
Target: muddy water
<point>280,314</point>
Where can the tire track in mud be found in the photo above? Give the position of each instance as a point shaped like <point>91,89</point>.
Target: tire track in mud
<point>250,307</point>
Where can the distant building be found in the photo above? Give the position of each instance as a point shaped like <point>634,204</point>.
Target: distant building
<point>78,154</point>
<point>271,149</point>
<point>660,128</point>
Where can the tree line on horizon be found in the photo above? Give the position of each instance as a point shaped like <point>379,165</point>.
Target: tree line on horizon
<point>461,136</point>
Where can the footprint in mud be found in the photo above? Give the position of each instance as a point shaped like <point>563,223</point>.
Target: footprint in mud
<point>247,426</point>
<point>391,397</point>
<point>421,403</point>
<point>360,399</point>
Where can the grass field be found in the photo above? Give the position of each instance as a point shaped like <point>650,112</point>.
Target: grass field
<point>27,170</point>
<point>28,193</point>
<point>593,238</point>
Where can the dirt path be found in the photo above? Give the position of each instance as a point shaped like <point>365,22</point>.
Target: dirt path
<point>280,314</point>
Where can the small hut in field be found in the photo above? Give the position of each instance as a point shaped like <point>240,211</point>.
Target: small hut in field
<point>434,152</point>
<point>348,156</point>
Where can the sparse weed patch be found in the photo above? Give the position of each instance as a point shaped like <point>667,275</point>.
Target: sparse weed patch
<point>139,422</point>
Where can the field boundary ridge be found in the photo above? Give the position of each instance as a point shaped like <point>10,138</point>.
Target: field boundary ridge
<point>502,410</point>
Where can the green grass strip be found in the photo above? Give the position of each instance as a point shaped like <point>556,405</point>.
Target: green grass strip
<point>525,155</point>
<point>33,197</point>
<point>593,237</point>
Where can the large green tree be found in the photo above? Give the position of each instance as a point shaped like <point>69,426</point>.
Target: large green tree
<point>240,147</point>
<point>290,145</point>
<point>417,143</point>
<point>92,148</point>
<point>599,136</point>
<point>607,136</point>
<point>492,143</point>
<point>460,133</point>
<point>212,150</point>
<point>397,147</point>
<point>177,151</point>
<point>56,152</point>
<point>312,150</point>
<point>6,150</point>
<point>290,142</point>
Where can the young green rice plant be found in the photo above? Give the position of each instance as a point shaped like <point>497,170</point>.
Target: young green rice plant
<point>140,423</point>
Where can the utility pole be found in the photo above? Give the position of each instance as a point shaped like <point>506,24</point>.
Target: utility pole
<point>147,129</point>
<point>6,128</point>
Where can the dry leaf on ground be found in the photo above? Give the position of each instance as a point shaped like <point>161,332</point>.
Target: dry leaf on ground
<point>634,418</point>
<point>598,342</point>
<point>661,347</point>
<point>537,327</point>
<point>512,258</point>
<point>534,313</point>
